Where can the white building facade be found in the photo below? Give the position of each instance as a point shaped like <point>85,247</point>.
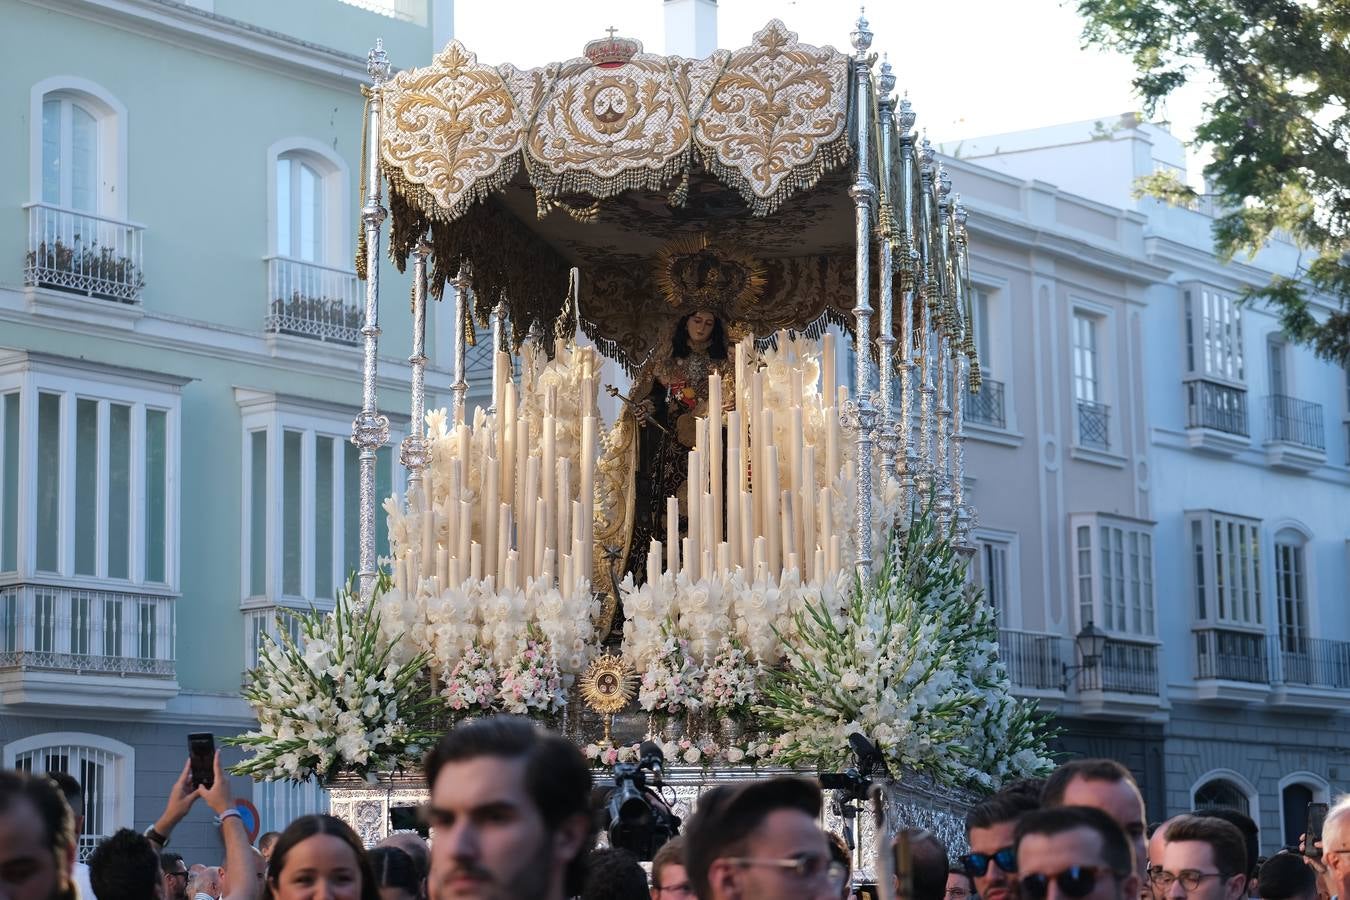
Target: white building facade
<point>1221,576</point>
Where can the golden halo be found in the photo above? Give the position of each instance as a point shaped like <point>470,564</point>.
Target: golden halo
<point>608,685</point>
<point>693,273</point>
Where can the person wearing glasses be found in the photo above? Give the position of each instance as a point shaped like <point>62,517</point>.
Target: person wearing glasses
<point>670,881</point>
<point>960,886</point>
<point>990,826</point>
<point>1205,858</point>
<point>1336,849</point>
<point>1106,785</point>
<point>175,874</point>
<point>761,841</point>
<point>1074,853</point>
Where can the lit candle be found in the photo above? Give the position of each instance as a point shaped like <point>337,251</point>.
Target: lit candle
<point>820,566</point>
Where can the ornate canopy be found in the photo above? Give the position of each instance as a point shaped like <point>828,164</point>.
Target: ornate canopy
<point>601,162</point>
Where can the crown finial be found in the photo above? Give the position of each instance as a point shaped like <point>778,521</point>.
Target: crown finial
<point>926,157</point>
<point>944,184</point>
<point>861,34</point>
<point>886,83</point>
<point>959,211</point>
<point>907,116</point>
<point>377,62</point>
<point>612,52</point>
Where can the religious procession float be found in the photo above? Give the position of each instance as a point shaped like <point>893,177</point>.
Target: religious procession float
<point>757,563</point>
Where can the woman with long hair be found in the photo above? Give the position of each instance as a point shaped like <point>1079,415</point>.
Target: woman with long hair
<point>319,857</point>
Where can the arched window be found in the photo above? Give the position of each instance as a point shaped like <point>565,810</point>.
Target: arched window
<point>301,208</point>
<point>70,153</point>
<point>1221,793</point>
<point>1291,590</point>
<point>104,767</point>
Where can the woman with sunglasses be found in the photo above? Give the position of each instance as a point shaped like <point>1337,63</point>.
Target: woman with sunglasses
<point>1074,853</point>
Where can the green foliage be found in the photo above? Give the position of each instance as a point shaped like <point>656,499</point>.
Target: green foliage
<point>912,662</point>
<point>1278,127</point>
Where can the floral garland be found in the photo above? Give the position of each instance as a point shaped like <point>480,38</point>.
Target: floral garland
<point>705,751</point>
<point>337,699</point>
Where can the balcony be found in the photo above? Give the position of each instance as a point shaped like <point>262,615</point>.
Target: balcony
<point>1123,683</point>
<point>308,300</point>
<point>1216,417</point>
<point>1035,660</point>
<point>1231,665</point>
<point>1295,438</point>
<point>81,253</point>
<point>69,646</point>
<point>1310,673</point>
<point>1094,425</point>
<point>986,407</point>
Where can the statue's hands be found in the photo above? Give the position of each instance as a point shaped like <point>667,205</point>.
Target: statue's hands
<point>644,411</point>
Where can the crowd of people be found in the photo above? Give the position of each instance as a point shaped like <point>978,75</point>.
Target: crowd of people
<point>511,816</point>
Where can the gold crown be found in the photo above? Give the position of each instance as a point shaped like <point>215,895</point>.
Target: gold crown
<point>692,273</point>
<point>612,52</point>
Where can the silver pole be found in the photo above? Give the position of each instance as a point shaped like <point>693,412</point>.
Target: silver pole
<point>370,430</point>
<point>946,350</point>
<point>885,333</point>
<point>927,298</point>
<point>860,413</point>
<point>498,326</point>
<point>965,513</point>
<point>460,387</point>
<point>414,453</point>
<point>910,280</point>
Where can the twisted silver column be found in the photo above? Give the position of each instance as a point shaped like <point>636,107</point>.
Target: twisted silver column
<point>885,331</point>
<point>414,452</point>
<point>910,281</point>
<point>460,387</point>
<point>370,430</point>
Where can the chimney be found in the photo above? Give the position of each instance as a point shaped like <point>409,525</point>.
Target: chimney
<point>691,28</point>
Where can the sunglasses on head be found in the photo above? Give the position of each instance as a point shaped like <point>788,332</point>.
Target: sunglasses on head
<point>1075,881</point>
<point>977,864</point>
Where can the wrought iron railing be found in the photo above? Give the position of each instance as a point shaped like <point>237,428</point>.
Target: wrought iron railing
<point>1295,421</point>
<point>1126,667</point>
<point>1312,662</point>
<point>1220,407</point>
<point>1094,425</point>
<point>311,300</point>
<point>1034,659</point>
<point>86,631</point>
<point>986,407</point>
<point>83,253</point>
<point>1229,655</point>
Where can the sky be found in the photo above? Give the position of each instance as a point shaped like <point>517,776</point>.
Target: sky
<point>971,67</point>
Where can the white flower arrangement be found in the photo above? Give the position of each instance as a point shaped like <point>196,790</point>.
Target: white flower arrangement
<point>912,663</point>
<point>470,687</point>
<point>670,682</point>
<point>702,752</point>
<point>337,700</point>
<point>729,682</point>
<point>532,684</point>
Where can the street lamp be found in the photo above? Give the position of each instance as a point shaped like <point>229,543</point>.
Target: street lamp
<point>1091,642</point>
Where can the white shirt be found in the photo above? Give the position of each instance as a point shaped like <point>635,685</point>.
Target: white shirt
<point>81,876</point>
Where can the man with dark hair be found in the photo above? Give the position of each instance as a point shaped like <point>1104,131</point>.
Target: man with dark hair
<point>1251,836</point>
<point>613,873</point>
<point>1287,876</point>
<point>175,874</point>
<point>37,839</point>
<point>126,867</point>
<point>990,826</point>
<point>760,841</point>
<point>670,881</point>
<point>1106,785</point>
<point>1074,852</point>
<point>266,842</point>
<point>510,806</point>
<point>927,864</point>
<point>74,794</point>
<point>1204,859</point>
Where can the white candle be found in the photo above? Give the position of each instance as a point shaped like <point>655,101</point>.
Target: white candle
<point>443,565</point>
<point>518,499</point>
<point>788,524</point>
<point>686,553</point>
<point>587,488</point>
<point>771,522</point>
<point>826,513</point>
<point>541,517</point>
<point>503,538</point>
<point>692,490</point>
<point>831,444</point>
<point>462,435</point>
<point>707,542</point>
<point>827,367</point>
<point>428,541</point>
<point>653,562</point>
<point>527,517</point>
<point>565,576</point>
<point>455,575</point>
<point>489,509</point>
<point>747,529</point>
<point>509,579</point>
<point>476,561</point>
<point>715,452</point>
<point>706,565</point>
<point>506,426</point>
<point>740,386</point>
<point>672,535</point>
<point>465,529</point>
<point>580,538</point>
<point>546,567</point>
<point>562,504</point>
<point>548,468</point>
<point>820,566</point>
<point>733,504</point>
<point>808,501</point>
<point>835,553</point>
<point>766,484</point>
<point>723,559</point>
<point>577,572</point>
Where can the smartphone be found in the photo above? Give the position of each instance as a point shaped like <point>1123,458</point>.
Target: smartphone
<point>1317,817</point>
<point>202,758</point>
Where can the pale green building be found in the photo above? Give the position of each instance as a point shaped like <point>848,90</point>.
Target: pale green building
<point>179,367</point>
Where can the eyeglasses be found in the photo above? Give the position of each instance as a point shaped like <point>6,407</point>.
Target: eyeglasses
<point>957,894</point>
<point>683,889</point>
<point>977,864</point>
<point>182,874</point>
<point>1190,879</point>
<point>806,868</point>
<point>1075,881</point>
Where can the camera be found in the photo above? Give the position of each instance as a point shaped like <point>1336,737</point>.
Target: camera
<point>637,818</point>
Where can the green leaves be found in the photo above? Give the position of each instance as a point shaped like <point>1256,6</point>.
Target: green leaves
<point>1278,129</point>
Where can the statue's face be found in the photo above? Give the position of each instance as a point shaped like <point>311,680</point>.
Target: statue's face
<point>700,326</point>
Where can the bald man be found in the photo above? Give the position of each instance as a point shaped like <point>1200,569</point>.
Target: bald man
<point>1156,843</point>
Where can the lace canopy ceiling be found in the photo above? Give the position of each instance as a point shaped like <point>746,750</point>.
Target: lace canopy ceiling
<point>524,174</point>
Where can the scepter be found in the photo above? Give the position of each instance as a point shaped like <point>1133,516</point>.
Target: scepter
<point>636,407</point>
